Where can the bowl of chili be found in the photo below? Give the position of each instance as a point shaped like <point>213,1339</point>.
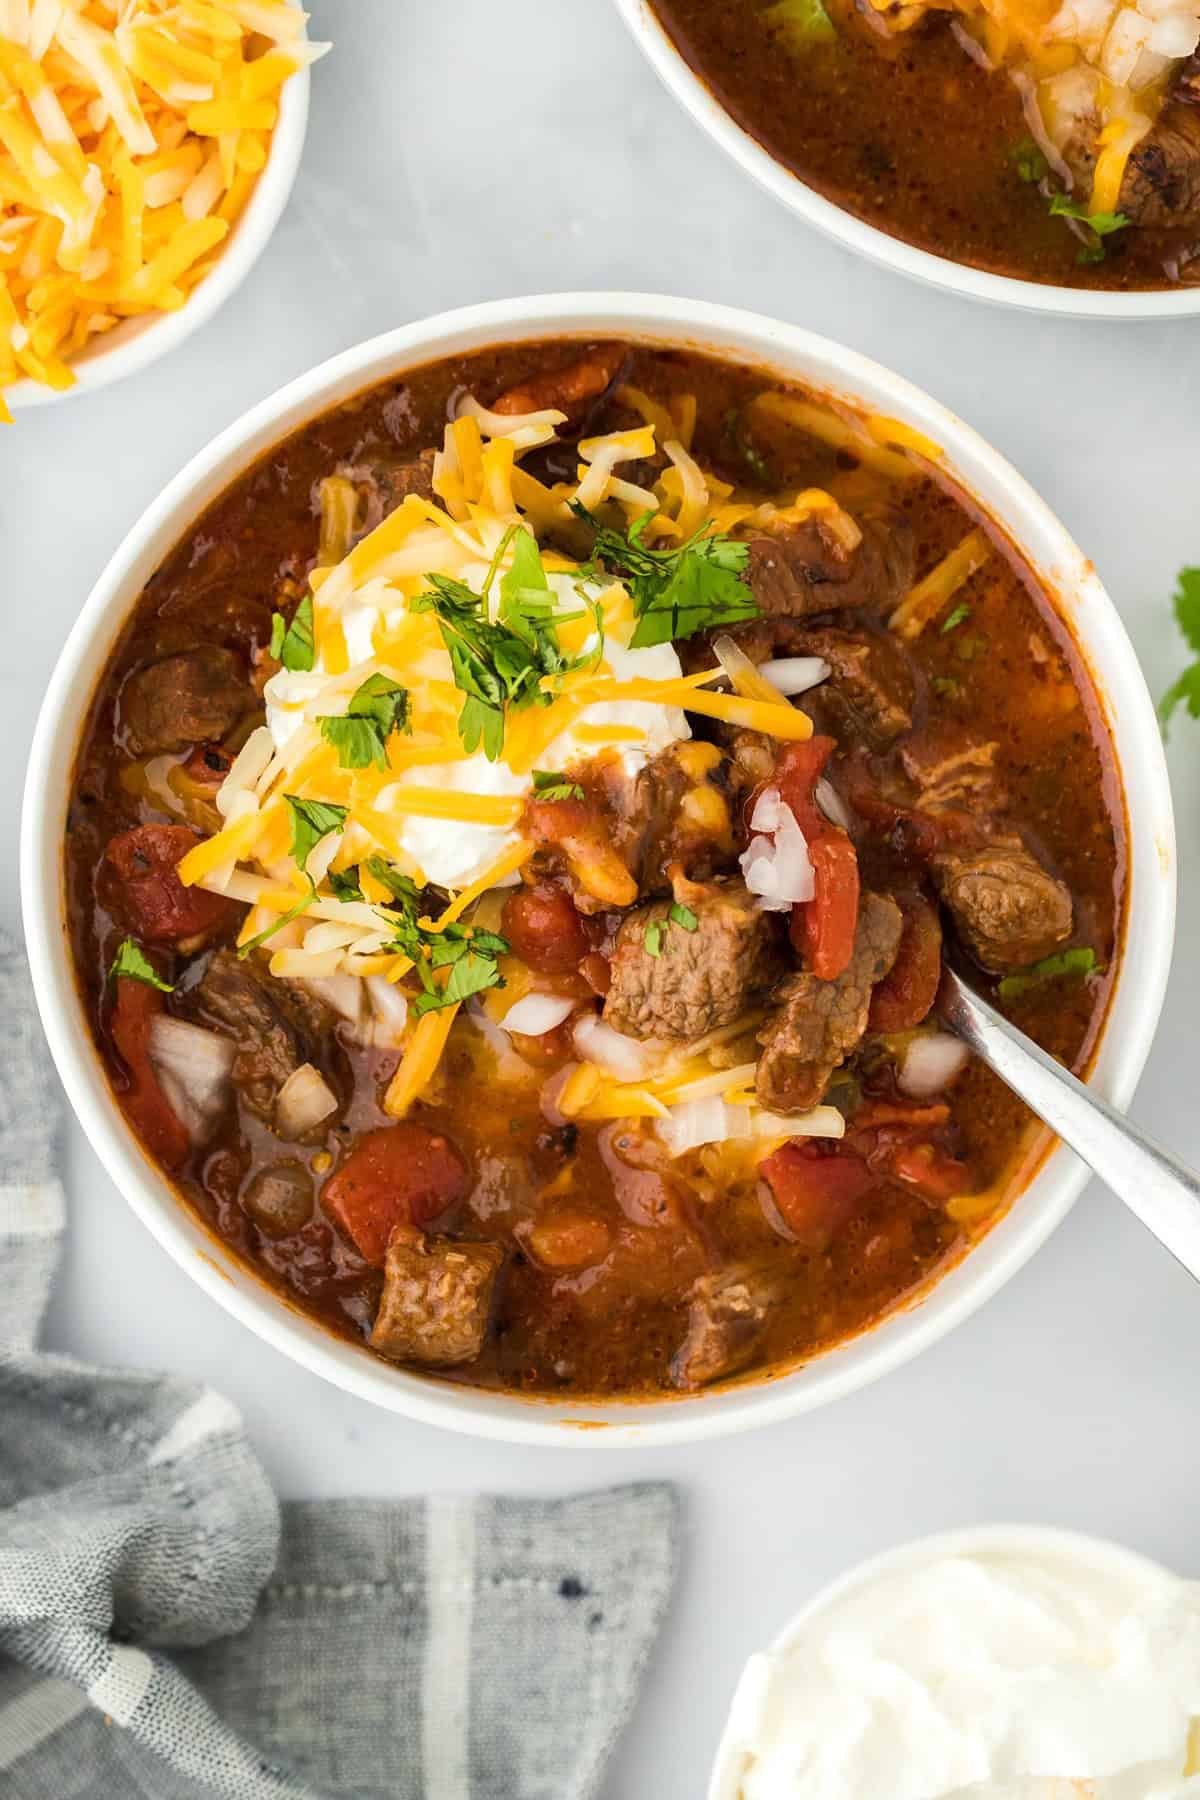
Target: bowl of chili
<point>877,418</point>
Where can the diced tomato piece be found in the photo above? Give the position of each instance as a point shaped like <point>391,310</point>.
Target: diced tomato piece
<point>905,996</point>
<point>818,1188</point>
<point>402,1174</point>
<point>140,885</point>
<point>147,1107</point>
<point>797,773</point>
<point>935,1175</point>
<point>823,928</point>
<point>544,929</point>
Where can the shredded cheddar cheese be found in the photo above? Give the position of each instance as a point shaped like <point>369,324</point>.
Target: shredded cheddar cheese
<point>131,137</point>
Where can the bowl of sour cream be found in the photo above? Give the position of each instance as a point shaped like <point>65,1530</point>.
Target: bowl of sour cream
<point>999,1663</point>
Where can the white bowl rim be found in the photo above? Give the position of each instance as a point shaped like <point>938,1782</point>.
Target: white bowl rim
<point>1133,1009</point>
<point>868,240</point>
<point>123,352</point>
<point>1079,1547</point>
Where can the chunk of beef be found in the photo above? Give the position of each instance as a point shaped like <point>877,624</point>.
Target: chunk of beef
<point>871,687</point>
<point>1161,185</point>
<point>384,483</point>
<point>673,983</point>
<point>437,1299</point>
<point>798,570</point>
<point>277,1026</point>
<point>817,1024</point>
<point>1008,910</point>
<point>192,698</point>
<point>726,1323</point>
<point>577,390</point>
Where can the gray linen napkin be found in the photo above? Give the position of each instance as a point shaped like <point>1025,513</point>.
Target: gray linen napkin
<point>447,1649</point>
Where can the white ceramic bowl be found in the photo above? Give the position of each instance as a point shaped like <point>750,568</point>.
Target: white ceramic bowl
<point>1071,1548</point>
<point>136,343</point>
<point>939,271</point>
<point>794,354</point>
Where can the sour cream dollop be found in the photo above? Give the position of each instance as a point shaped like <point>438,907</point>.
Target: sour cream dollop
<point>452,853</point>
<point>998,1676</point>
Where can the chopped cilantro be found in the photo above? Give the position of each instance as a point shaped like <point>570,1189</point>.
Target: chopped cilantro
<point>1027,159</point>
<point>548,785</point>
<point>959,616</point>
<point>801,21</point>
<point>652,937</point>
<point>1186,602</point>
<point>1073,963</point>
<point>312,820</point>
<point>468,953</point>
<point>401,887</point>
<point>678,591</point>
<point>1101,224</point>
<point>345,884</point>
<point>293,644</point>
<point>360,734</point>
<point>132,961</point>
<point>500,663</point>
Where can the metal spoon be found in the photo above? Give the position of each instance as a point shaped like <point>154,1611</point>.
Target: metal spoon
<point>1164,1194</point>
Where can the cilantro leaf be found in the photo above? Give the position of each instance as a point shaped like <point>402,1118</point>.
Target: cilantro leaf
<point>1076,964</point>
<point>293,644</point>
<point>312,820</point>
<point>1186,603</point>
<point>961,613</point>
<point>655,933</point>
<point>345,884</point>
<point>132,961</point>
<point>401,887</point>
<point>360,734</point>
<point>683,916</point>
<point>678,591</point>
<point>1027,159</point>
<point>500,663</point>
<point>1100,224</point>
<point>652,938</point>
<point>548,785</point>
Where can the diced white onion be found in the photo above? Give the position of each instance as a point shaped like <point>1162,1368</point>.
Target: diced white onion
<point>611,1050</point>
<point>696,1122</point>
<point>831,803</point>
<point>192,1065</point>
<point>777,868</point>
<point>343,994</point>
<point>303,1101</point>
<point>390,1009</point>
<point>716,1121</point>
<point>795,674</point>
<point>931,1063</point>
<point>535,1014</point>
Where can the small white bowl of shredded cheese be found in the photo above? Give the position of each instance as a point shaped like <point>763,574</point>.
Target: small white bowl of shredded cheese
<point>998,1663</point>
<point>165,147</point>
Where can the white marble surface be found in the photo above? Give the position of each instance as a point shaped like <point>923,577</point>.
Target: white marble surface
<point>494,147</point>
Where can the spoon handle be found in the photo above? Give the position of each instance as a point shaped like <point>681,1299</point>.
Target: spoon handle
<point>1162,1191</point>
